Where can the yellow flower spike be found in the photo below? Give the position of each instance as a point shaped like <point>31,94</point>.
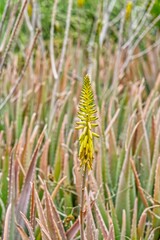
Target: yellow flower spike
<point>128,10</point>
<point>80,3</point>
<point>29,9</point>
<point>86,115</point>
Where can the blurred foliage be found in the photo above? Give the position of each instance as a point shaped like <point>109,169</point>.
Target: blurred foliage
<point>83,13</point>
<point>156,10</point>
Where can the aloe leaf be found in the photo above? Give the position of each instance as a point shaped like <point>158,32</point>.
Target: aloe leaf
<point>141,225</point>
<point>25,193</point>
<point>44,231</point>
<point>123,194</point>
<point>4,181</point>
<point>29,227</point>
<point>123,230</point>
<point>146,154</point>
<point>22,233</point>
<point>121,117</point>
<point>90,224</point>
<point>132,191</point>
<point>42,219</point>
<point>19,115</point>
<point>102,225</point>
<point>32,207</point>
<point>138,184</point>
<point>156,222</point>
<point>111,232</point>
<point>73,230</point>
<point>44,158</point>
<point>56,189</point>
<point>52,226</point>
<point>154,162</point>
<point>55,225</point>
<point>134,221</point>
<point>120,160</point>
<point>56,134</point>
<point>57,163</point>
<point>40,210</point>
<point>12,194</point>
<point>7,223</point>
<point>113,215</point>
<point>105,162</point>
<point>66,172</point>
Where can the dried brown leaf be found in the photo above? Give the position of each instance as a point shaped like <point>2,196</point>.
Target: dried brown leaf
<point>55,226</point>
<point>29,227</point>
<point>55,191</point>
<point>141,225</point>
<point>44,158</point>
<point>101,222</point>
<point>25,194</point>
<point>6,223</point>
<point>44,231</point>
<point>22,233</point>
<point>90,225</point>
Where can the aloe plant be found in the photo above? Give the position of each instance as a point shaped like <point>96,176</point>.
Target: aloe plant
<point>53,186</point>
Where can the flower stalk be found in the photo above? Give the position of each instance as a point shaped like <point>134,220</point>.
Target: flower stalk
<point>87,118</point>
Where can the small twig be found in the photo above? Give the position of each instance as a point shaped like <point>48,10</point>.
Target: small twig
<point>92,41</point>
<point>4,15</point>
<point>119,53</point>
<point>106,17</point>
<point>112,121</point>
<point>150,26</point>
<point>22,73</point>
<point>139,27</point>
<point>54,71</point>
<point>34,14</point>
<point>15,27</point>
<point>147,50</point>
<point>131,50</point>
<point>90,49</point>
<point>28,22</point>
<point>39,25</point>
<point>82,203</point>
<point>64,48</point>
<point>115,20</point>
<point>55,89</point>
<point>9,26</point>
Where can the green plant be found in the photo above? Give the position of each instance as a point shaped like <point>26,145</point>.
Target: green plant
<point>41,169</point>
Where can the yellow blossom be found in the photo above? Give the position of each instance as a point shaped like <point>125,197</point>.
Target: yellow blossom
<point>128,10</point>
<point>86,115</point>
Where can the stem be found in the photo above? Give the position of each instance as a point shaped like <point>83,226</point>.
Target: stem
<point>82,203</point>
<point>13,89</point>
<point>15,27</point>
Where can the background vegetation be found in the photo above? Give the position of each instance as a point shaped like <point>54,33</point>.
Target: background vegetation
<point>46,48</point>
